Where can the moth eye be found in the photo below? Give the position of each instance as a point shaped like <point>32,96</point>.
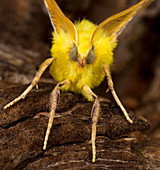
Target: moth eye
<point>91,56</point>
<point>73,54</point>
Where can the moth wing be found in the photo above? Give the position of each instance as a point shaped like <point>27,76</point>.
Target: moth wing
<point>59,20</point>
<point>115,24</point>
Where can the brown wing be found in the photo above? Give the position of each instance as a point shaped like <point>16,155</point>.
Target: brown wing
<point>59,20</point>
<point>115,24</point>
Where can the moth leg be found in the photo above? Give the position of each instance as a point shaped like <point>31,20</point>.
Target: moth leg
<point>95,115</point>
<point>53,102</point>
<point>110,84</point>
<point>42,68</point>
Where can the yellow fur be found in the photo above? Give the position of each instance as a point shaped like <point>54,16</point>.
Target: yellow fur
<point>92,74</point>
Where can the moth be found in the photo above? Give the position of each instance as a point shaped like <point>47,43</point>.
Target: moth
<point>81,55</point>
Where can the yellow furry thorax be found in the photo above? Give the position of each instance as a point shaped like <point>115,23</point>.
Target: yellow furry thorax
<point>64,68</point>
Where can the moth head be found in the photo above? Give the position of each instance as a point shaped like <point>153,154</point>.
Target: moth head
<point>82,60</point>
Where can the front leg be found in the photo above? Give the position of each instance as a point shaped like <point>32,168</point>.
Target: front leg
<point>53,102</point>
<point>95,116</point>
<point>110,85</point>
<point>35,80</point>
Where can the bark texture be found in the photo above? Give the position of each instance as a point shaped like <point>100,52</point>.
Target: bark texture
<point>25,32</point>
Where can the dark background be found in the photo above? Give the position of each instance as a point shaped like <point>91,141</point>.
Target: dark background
<point>25,40</point>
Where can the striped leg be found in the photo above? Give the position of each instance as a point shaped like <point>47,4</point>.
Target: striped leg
<point>53,101</point>
<point>95,116</point>
<point>110,84</point>
<point>38,75</point>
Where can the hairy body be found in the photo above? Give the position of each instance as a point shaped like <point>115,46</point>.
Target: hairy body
<point>64,68</point>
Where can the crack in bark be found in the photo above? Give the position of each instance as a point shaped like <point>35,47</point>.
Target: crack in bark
<point>24,163</point>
